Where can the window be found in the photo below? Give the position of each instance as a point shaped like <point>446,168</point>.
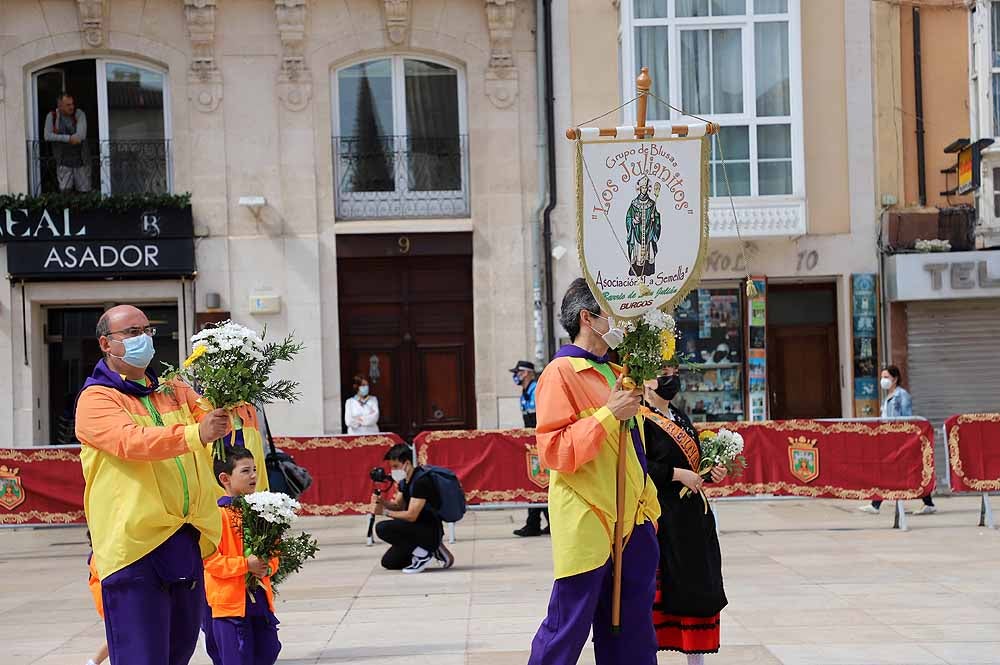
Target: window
<point>733,62</point>
<point>399,140</point>
<point>127,144</point>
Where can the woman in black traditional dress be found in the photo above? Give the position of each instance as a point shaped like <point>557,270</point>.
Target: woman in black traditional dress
<point>690,593</point>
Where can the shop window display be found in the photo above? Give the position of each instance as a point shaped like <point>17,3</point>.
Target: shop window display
<point>710,322</point>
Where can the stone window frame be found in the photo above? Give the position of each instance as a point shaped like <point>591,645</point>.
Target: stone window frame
<point>100,128</point>
<point>397,59</point>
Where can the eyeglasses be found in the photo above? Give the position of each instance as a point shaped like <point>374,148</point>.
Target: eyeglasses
<point>135,331</point>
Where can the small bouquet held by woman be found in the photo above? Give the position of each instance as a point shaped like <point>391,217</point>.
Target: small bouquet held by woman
<point>232,365</point>
<point>266,518</point>
<point>719,449</point>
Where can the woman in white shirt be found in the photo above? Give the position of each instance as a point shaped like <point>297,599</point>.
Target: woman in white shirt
<point>361,411</point>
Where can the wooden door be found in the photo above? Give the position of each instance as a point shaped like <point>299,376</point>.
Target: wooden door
<point>406,324</point>
<point>803,372</point>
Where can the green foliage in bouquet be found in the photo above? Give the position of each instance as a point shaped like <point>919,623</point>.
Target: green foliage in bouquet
<point>292,553</point>
<point>649,343</point>
<point>231,365</point>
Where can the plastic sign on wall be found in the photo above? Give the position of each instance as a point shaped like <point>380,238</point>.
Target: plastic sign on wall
<point>642,220</point>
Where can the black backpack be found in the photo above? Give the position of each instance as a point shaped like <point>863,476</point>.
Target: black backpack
<point>283,474</point>
<point>449,489</point>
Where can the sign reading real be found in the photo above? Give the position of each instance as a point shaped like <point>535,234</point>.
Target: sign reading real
<point>65,243</point>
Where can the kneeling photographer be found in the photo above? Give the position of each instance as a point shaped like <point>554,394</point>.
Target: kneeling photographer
<point>414,529</point>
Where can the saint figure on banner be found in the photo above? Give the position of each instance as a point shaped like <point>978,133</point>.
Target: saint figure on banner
<point>642,222</point>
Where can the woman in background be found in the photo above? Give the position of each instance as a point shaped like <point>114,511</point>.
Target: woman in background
<point>361,410</point>
<point>897,404</point>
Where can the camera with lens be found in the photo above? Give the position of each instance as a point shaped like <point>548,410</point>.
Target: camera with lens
<point>378,475</point>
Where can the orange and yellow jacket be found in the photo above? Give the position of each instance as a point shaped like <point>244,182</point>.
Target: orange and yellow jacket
<point>226,572</point>
<point>144,481</point>
<point>577,439</point>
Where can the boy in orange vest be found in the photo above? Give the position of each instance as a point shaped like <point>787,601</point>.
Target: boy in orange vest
<point>245,629</point>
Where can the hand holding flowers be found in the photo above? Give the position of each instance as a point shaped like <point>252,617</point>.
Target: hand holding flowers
<point>266,518</point>
<point>232,366</point>
<point>721,455</point>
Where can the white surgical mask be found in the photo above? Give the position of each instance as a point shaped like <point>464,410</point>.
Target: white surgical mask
<point>614,337</point>
<point>399,475</point>
<point>885,383</point>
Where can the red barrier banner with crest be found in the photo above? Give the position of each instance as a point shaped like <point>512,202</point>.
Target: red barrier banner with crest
<point>973,452</point>
<point>339,467</point>
<point>494,466</point>
<point>41,486</point>
<point>863,459</point>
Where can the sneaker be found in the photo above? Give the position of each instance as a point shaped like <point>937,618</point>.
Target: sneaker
<point>418,564</point>
<point>528,532</point>
<point>868,508</point>
<point>545,531</point>
<point>925,510</point>
<point>444,557</point>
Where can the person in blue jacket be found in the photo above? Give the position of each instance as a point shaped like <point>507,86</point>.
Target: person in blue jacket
<point>525,376</point>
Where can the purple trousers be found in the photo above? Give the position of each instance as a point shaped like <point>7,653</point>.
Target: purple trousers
<point>248,641</point>
<point>584,601</point>
<point>153,607</point>
<point>206,627</point>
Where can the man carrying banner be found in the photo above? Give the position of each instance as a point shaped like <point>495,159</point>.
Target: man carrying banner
<point>581,406</point>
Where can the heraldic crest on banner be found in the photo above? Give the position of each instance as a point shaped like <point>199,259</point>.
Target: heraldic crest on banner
<point>642,217</point>
<point>536,472</point>
<point>803,458</point>
<point>11,489</point>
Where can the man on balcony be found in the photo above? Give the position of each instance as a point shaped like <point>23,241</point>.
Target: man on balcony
<point>66,132</point>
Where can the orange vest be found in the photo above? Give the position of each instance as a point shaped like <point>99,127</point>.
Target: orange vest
<point>226,573</point>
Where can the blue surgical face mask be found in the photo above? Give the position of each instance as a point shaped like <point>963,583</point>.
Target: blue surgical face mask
<point>139,351</point>
<point>363,391</point>
<point>517,380</point>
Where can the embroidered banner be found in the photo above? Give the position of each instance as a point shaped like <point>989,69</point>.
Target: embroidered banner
<point>973,452</point>
<point>339,466</point>
<point>840,460</point>
<point>494,466</point>
<point>41,485</point>
<point>642,220</point>
<point>45,485</point>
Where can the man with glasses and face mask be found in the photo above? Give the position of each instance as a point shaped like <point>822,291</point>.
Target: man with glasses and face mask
<point>581,407</point>
<point>150,495</point>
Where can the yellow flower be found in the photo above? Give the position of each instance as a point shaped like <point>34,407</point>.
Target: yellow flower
<point>706,435</point>
<point>198,352</point>
<point>668,345</point>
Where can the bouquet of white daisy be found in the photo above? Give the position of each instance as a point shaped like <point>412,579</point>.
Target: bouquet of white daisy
<point>723,448</point>
<point>265,518</point>
<point>232,365</point>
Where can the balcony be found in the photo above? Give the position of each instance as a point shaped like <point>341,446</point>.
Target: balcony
<point>401,177</point>
<point>113,167</point>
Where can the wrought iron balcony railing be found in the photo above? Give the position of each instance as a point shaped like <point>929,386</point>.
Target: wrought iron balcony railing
<point>111,167</point>
<point>396,177</point>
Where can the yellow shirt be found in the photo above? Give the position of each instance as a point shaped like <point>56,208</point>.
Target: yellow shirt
<point>578,439</point>
<point>144,481</point>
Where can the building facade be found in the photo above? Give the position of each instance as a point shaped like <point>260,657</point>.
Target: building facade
<point>937,109</point>
<point>362,173</point>
<point>791,83</point>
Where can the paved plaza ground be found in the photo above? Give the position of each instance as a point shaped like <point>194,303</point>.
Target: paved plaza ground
<point>809,582</point>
